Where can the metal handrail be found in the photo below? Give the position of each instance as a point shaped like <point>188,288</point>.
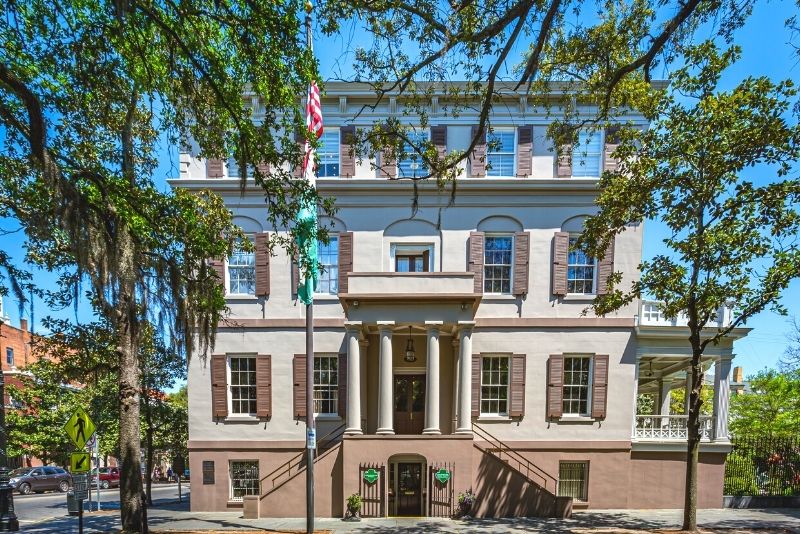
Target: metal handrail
<point>513,453</point>
<point>286,467</point>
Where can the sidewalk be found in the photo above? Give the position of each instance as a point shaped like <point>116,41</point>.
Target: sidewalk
<point>176,518</point>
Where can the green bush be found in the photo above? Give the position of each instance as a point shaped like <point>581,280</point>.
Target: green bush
<point>354,504</point>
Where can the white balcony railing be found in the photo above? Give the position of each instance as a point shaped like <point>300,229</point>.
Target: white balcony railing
<point>650,314</point>
<point>670,427</point>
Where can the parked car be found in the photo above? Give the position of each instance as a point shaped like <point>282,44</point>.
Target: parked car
<point>28,480</point>
<point>109,477</point>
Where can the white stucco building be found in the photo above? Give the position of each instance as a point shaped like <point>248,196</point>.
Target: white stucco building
<point>453,339</point>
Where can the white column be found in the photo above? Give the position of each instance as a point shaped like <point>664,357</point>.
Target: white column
<point>385,413</point>
<point>465,378</point>
<point>363,345</point>
<point>456,349</point>
<point>432,398</point>
<point>664,397</point>
<point>353,379</point>
<point>722,391</point>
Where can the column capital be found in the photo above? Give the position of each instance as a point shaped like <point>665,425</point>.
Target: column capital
<point>434,325</point>
<point>466,326</point>
<point>385,326</point>
<point>353,326</point>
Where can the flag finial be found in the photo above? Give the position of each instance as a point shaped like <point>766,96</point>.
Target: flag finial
<point>309,6</point>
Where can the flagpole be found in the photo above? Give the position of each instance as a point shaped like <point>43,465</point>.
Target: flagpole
<point>310,423</point>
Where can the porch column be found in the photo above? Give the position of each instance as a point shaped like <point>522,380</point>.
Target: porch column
<point>353,379</point>
<point>664,397</point>
<point>465,377</point>
<point>456,351</point>
<point>722,391</point>
<point>363,345</point>
<point>385,414</point>
<point>432,379</point>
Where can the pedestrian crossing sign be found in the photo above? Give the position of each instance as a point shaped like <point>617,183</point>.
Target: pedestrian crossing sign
<point>79,428</point>
<point>80,462</point>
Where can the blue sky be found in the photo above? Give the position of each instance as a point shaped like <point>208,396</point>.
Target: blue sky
<point>766,51</point>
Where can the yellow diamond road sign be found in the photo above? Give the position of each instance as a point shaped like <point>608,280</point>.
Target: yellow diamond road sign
<point>79,428</point>
<point>80,462</point>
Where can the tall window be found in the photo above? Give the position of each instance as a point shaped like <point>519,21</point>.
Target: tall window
<point>580,269</point>
<point>326,385</point>
<point>328,154</point>
<point>572,480</point>
<point>586,155</point>
<point>10,356</point>
<point>497,264</point>
<point>243,386</point>
<point>244,478</point>
<point>329,258</point>
<point>242,272</point>
<point>576,385</point>
<point>494,385</point>
<point>410,163</point>
<point>500,153</point>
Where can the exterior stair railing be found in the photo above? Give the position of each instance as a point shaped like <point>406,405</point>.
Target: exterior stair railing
<point>284,472</point>
<point>532,472</point>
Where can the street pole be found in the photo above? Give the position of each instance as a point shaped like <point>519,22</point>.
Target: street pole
<point>8,519</point>
<point>310,426</point>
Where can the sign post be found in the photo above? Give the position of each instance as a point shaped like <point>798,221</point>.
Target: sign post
<point>80,429</point>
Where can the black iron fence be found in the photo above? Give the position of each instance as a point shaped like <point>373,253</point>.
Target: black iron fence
<point>763,467</point>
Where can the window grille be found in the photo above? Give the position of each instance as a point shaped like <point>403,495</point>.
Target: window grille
<point>494,385</point>
<point>572,480</point>
<point>244,479</point>
<point>580,269</point>
<point>242,273</point>
<point>328,154</point>
<point>329,258</point>
<point>497,264</point>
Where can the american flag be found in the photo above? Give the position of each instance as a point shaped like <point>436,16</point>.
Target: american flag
<point>314,125</point>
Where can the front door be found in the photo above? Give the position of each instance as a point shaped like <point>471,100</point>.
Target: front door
<point>409,404</point>
<point>409,489</point>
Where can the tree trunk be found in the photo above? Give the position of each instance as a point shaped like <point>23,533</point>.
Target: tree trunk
<point>693,444</point>
<point>148,416</point>
<point>130,487</point>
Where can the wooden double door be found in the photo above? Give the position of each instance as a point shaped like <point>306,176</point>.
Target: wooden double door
<point>409,404</point>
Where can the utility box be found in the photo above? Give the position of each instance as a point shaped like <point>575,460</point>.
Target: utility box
<point>73,504</point>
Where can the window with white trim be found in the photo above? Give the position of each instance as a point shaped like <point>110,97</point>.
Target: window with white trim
<point>577,385</point>
<point>587,154</point>
<point>494,385</point>
<point>10,356</point>
<point>328,255</point>
<point>497,258</point>
<point>326,384</point>
<point>242,272</point>
<point>573,478</point>
<point>500,152</point>
<point>328,153</point>
<point>410,258</point>
<point>409,162</point>
<point>242,385</point>
<point>580,269</point>
<point>244,479</point>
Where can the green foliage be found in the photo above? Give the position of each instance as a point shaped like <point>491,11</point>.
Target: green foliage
<point>770,409</point>
<point>354,503</point>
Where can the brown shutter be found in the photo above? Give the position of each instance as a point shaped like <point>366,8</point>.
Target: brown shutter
<point>262,264</point>
<point>295,277</point>
<point>342,390</point>
<point>299,388</point>
<point>599,386</point>
<point>475,259</point>
<point>477,160</point>
<point>300,139</point>
<point>522,246</point>
<point>219,269</point>
<point>219,385</point>
<point>555,386</point>
<point>610,163</point>
<point>388,165</point>
<point>439,140</point>
<point>263,168</point>
<point>560,257</point>
<point>347,157</point>
<point>264,386</point>
<point>525,151</point>
<point>476,385</point>
<point>516,406</point>
<point>426,261</point>
<point>345,259</point>
<point>605,268</point>
<point>214,168</point>
<point>564,167</point>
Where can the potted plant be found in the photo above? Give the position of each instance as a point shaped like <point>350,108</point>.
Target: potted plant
<point>353,508</point>
<point>466,500</point>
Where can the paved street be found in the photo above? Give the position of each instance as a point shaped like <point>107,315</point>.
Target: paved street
<point>33,509</point>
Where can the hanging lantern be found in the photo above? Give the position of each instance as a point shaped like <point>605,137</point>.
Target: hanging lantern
<point>411,355</point>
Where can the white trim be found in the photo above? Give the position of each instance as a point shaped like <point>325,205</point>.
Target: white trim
<point>514,150</point>
<point>487,235</point>
<point>411,248</point>
<point>579,296</point>
<point>229,394</point>
<point>495,415</point>
<point>571,416</point>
